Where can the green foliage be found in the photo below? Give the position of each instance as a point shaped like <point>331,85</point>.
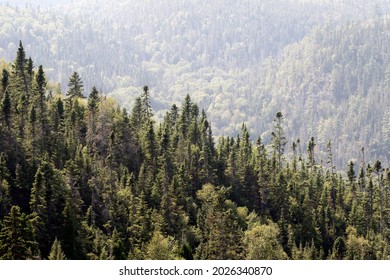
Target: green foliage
<point>16,241</point>
<point>161,248</point>
<point>221,236</point>
<point>317,60</point>
<point>4,80</point>
<point>6,109</point>
<point>86,180</point>
<point>93,100</point>
<point>56,252</point>
<point>261,243</point>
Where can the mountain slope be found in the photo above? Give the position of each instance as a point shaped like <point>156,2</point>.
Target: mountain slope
<point>334,85</point>
<point>241,61</point>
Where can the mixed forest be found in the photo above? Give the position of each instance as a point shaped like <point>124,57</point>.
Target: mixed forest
<point>83,178</point>
<point>324,64</point>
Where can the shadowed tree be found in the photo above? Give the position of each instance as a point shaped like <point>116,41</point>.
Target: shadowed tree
<point>16,242</point>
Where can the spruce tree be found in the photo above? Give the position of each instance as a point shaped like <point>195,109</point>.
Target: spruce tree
<point>278,139</point>
<point>20,68</point>
<point>75,88</point>
<point>93,106</point>
<point>56,252</point>
<point>5,192</point>
<point>6,109</point>
<point>46,204</point>
<point>4,80</point>
<point>16,242</point>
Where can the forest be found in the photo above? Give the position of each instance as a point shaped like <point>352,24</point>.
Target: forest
<point>324,64</point>
<point>83,178</point>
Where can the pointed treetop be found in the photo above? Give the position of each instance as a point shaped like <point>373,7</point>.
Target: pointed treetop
<point>20,60</point>
<point>75,86</point>
<point>93,100</point>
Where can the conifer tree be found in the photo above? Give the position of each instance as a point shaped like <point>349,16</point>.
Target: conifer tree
<point>310,151</point>
<point>16,241</point>
<point>75,88</point>
<point>146,109</point>
<point>41,104</point>
<point>278,138</point>
<point>4,81</point>
<point>20,68</point>
<point>5,192</point>
<point>221,236</point>
<point>56,252</point>
<point>139,223</point>
<point>46,204</point>
<point>6,109</point>
<point>93,107</point>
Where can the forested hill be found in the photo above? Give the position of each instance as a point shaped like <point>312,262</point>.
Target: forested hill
<point>334,85</point>
<point>242,61</point>
<point>82,178</point>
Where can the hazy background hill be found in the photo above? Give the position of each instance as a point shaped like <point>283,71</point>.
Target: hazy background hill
<point>324,64</point>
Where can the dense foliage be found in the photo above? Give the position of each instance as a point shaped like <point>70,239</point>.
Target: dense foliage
<point>242,61</point>
<point>81,178</point>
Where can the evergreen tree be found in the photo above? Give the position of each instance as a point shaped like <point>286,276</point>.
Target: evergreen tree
<point>21,67</point>
<point>146,109</point>
<point>4,80</point>
<point>221,237</point>
<point>42,109</point>
<point>139,223</point>
<point>310,151</point>
<point>16,241</point>
<point>93,107</point>
<point>56,252</point>
<point>278,138</point>
<point>99,183</point>
<point>46,204</point>
<point>339,249</point>
<point>75,88</point>
<point>6,109</point>
<point>5,192</point>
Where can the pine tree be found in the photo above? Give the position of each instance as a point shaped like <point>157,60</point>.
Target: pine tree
<point>93,107</point>
<point>42,109</point>
<point>16,241</point>
<point>278,138</point>
<point>310,151</point>
<point>221,236</point>
<point>46,204</point>
<point>20,68</point>
<point>207,172</point>
<point>75,88</point>
<point>6,110</point>
<point>5,192</point>
<point>56,252</point>
<point>339,249</point>
<point>32,131</point>
<point>136,119</point>
<point>4,80</point>
<point>146,109</point>
<point>21,89</point>
<point>139,223</point>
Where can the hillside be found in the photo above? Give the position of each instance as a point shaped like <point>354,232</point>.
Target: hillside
<point>81,178</point>
<point>334,85</point>
<point>242,63</point>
